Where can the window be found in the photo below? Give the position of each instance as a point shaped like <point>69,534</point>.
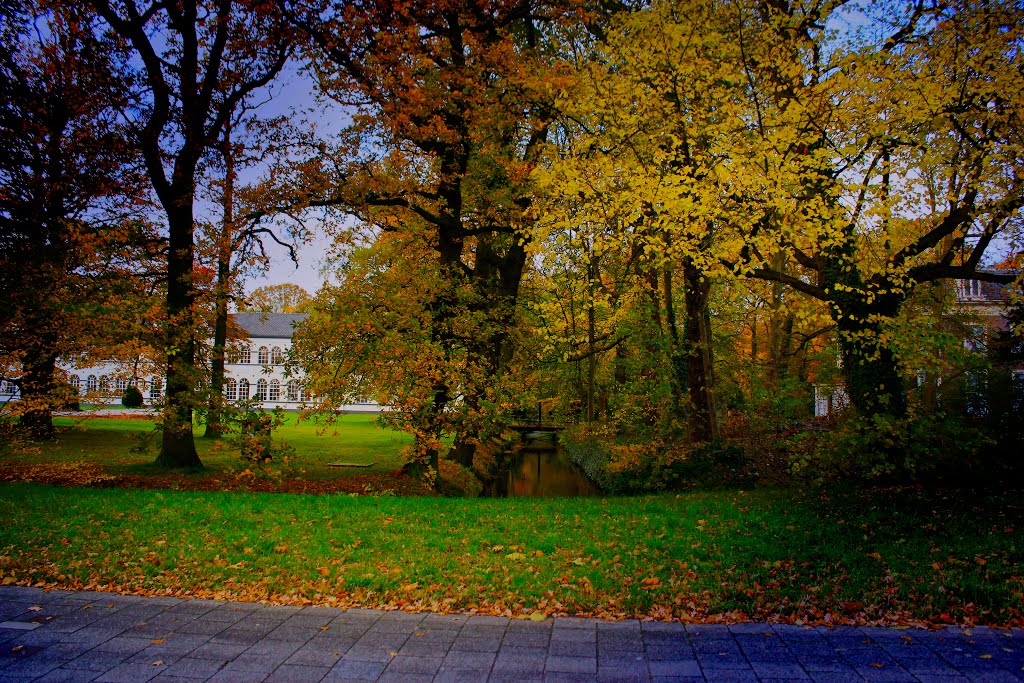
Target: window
<point>293,390</point>
<point>264,356</point>
<point>76,382</point>
<point>91,384</point>
<point>275,390</point>
<point>276,357</point>
<point>243,390</point>
<point>972,289</point>
<point>261,390</point>
<point>105,384</point>
<point>156,388</point>
<point>243,354</point>
<point>975,340</point>
<point>8,388</point>
<point>231,389</point>
<point>121,385</point>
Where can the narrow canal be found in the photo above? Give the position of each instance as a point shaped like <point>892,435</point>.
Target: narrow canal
<point>545,471</point>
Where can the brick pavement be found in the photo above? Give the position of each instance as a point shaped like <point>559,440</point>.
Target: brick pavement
<point>85,636</point>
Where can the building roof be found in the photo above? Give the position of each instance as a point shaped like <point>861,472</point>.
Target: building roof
<point>983,291</point>
<point>258,325</point>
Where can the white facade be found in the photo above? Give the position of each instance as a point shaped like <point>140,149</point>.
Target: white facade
<point>255,369</point>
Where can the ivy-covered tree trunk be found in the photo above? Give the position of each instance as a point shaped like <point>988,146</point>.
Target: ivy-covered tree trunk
<point>38,388</point>
<point>871,373</point>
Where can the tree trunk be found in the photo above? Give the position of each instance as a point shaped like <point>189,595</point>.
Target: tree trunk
<point>215,407</point>
<point>677,356</point>
<point>703,419</point>
<point>178,449</point>
<point>873,381</point>
<point>38,389</point>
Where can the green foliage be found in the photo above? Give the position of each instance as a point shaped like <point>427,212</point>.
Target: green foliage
<point>657,465</point>
<point>255,427</point>
<point>458,482</point>
<point>884,447</point>
<point>132,398</point>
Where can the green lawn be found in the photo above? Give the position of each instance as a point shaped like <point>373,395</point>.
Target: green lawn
<point>896,557</point>
<point>108,443</point>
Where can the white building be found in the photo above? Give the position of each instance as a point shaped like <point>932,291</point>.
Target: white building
<point>255,369</point>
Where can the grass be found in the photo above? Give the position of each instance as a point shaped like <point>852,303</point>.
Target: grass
<point>111,444</point>
<point>906,558</point>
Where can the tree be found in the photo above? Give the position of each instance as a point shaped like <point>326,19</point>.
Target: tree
<point>871,187</point>
<point>283,298</point>
<point>66,185</point>
<point>198,62</point>
<point>237,239</point>
<point>654,110</point>
<point>455,103</point>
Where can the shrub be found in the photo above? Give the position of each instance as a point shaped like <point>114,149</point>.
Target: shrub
<point>656,465</point>
<point>457,481</point>
<point>132,398</point>
<point>898,449</point>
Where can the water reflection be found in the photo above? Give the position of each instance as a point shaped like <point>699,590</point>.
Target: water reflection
<point>546,472</point>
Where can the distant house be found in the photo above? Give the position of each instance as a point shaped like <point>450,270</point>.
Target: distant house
<point>982,309</point>
<point>255,369</point>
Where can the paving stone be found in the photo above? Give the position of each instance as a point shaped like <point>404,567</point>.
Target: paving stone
<point>30,668</point>
<point>193,667</point>
<point>476,644</point>
<point>562,648</point>
<point>577,665</point>
<point>67,676</point>
<point>675,668</point>
<point>624,674</point>
<point>518,663</point>
<point>527,639</point>
<point>219,651</point>
<point>128,673</point>
<point>96,661</point>
<point>456,660</point>
<point>288,673</point>
<point>368,654</point>
<point>462,675</point>
<point>791,672</point>
<point>229,676</point>
<point>315,657</point>
<point>255,663</point>
<point>564,677</point>
<point>355,670</point>
<point>896,675</point>
<point>414,665</point>
<point>574,636</point>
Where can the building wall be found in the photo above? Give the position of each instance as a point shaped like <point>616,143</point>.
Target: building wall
<point>255,368</point>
